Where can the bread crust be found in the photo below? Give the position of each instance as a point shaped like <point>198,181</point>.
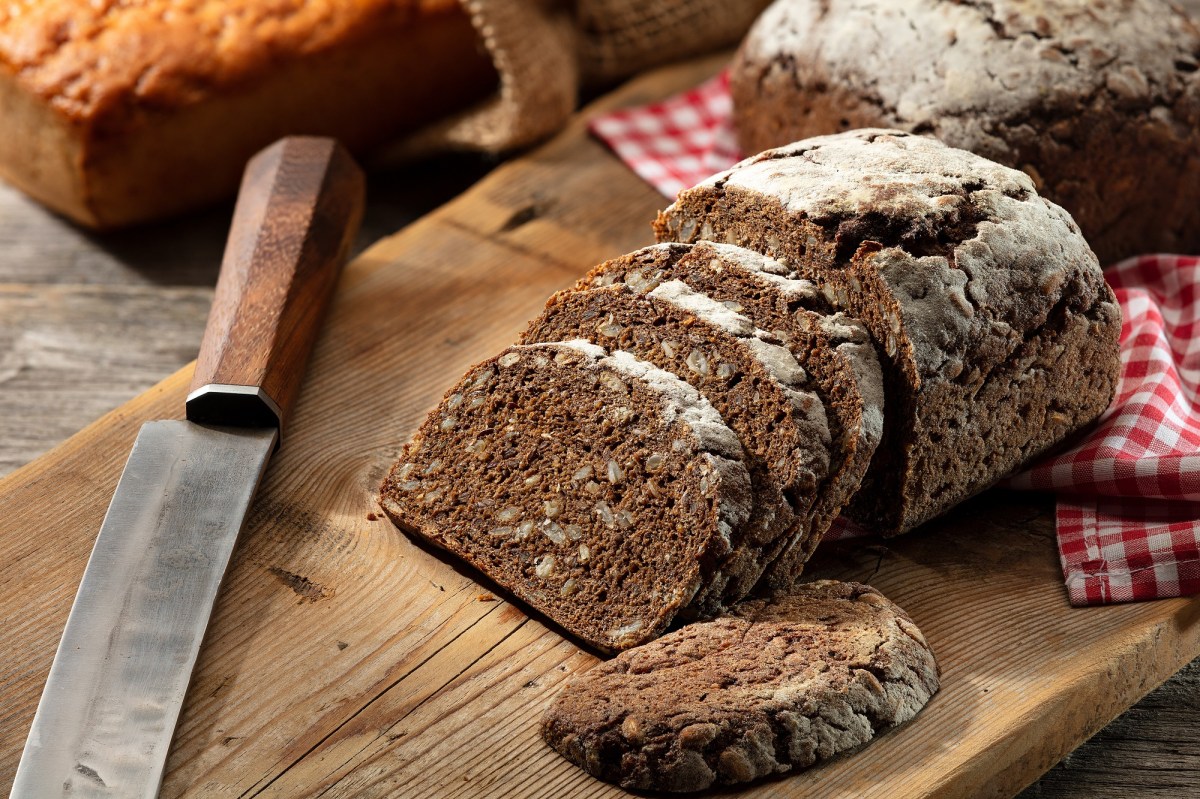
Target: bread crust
<point>135,111</point>
<point>778,685</point>
<point>836,351</point>
<point>1098,103</point>
<point>998,334</point>
<point>597,488</point>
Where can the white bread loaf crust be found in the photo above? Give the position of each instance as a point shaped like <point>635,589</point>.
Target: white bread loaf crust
<point>1098,102</point>
<point>116,114</point>
<point>997,330</point>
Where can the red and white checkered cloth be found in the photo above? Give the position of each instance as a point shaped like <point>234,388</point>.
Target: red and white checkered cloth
<point>1128,515</point>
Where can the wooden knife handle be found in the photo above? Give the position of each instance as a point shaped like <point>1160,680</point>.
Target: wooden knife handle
<point>296,216</point>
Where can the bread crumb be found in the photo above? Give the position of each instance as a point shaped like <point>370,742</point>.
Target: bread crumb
<point>485,598</point>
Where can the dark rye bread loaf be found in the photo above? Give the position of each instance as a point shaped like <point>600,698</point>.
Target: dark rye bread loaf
<point>595,487</point>
<point>753,382</point>
<point>1098,102</point>
<point>835,350</point>
<point>777,686</point>
<point>998,331</point>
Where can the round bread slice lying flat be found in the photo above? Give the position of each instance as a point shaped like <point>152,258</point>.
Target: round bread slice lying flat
<point>777,686</point>
<point>997,330</point>
<point>833,348</point>
<point>595,487</point>
<point>753,382</point>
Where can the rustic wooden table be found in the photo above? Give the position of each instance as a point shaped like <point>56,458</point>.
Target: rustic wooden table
<point>88,321</point>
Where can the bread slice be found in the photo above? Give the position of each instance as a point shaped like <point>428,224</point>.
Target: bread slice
<point>834,349</point>
<point>599,489</point>
<point>753,382</point>
<point>998,332</point>
<point>779,685</point>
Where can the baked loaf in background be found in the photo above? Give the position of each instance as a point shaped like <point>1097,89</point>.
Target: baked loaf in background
<point>998,333</point>
<point>1099,103</point>
<point>115,113</point>
<point>777,686</point>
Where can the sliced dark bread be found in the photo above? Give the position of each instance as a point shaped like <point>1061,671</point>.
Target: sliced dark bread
<point>834,349</point>
<point>599,489</point>
<point>776,686</point>
<point>753,381</point>
<point>998,331</point>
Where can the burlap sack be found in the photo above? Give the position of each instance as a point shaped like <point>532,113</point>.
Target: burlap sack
<point>618,38</point>
<point>545,50</point>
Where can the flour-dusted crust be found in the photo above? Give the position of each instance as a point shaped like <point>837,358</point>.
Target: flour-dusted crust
<point>835,350</point>
<point>998,331</point>
<point>596,487</point>
<point>755,383</point>
<point>779,685</point>
<point>1098,102</point>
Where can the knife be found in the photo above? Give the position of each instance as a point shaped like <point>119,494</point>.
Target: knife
<point>112,699</point>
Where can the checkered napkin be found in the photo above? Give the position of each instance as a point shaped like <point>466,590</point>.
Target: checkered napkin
<point>1128,514</point>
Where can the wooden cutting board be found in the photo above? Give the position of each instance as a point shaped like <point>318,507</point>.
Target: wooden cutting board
<point>344,661</point>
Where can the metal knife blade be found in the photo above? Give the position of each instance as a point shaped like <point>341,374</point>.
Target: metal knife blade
<point>118,680</point>
<point>114,692</point>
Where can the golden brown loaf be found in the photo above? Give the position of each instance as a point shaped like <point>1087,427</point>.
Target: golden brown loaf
<point>115,112</point>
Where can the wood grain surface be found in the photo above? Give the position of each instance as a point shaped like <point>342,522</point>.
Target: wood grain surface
<point>343,660</point>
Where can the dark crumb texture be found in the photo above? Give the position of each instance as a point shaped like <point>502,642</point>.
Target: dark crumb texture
<point>1098,102</point>
<point>997,331</point>
<point>594,487</point>
<point>780,422</point>
<point>779,685</point>
<point>836,352</point>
